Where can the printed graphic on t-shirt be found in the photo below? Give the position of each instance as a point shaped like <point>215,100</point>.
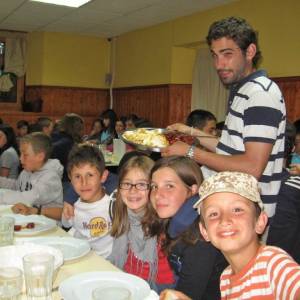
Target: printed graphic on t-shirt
<point>98,227</point>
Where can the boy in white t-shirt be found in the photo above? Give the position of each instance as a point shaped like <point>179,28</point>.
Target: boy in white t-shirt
<point>91,221</point>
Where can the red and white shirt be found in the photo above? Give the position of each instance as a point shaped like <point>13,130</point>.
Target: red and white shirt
<point>271,274</point>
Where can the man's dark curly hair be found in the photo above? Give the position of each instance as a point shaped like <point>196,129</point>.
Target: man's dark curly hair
<point>239,31</point>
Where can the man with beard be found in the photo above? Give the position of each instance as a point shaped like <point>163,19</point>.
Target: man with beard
<point>252,140</point>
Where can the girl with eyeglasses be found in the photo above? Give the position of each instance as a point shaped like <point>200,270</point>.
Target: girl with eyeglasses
<point>135,250</point>
<point>175,181</point>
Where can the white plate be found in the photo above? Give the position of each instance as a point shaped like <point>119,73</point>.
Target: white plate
<point>4,209</point>
<point>41,223</point>
<point>70,247</point>
<point>80,286</point>
<point>11,256</point>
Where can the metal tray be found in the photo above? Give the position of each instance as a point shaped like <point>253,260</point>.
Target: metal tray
<point>144,147</point>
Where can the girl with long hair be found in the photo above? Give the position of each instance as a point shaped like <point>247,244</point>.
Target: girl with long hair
<point>135,250</point>
<point>197,264</point>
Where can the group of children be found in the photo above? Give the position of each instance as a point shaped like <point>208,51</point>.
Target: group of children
<point>148,226</point>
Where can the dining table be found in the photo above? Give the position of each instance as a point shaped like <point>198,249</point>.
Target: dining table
<point>91,262</point>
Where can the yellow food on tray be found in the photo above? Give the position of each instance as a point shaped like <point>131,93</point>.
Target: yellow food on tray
<point>146,137</point>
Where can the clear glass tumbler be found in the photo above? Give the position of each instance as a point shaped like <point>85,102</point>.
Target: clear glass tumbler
<point>6,231</point>
<point>38,273</point>
<point>11,283</point>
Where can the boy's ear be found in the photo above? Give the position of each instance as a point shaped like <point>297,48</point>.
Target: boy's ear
<point>261,223</point>
<point>40,156</point>
<point>203,232</point>
<point>104,176</point>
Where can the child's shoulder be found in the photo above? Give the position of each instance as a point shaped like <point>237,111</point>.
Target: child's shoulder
<point>272,254</point>
<point>269,251</point>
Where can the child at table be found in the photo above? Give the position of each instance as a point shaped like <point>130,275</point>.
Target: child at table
<point>91,221</point>
<point>232,219</point>
<point>197,264</point>
<point>135,250</point>
<point>39,183</point>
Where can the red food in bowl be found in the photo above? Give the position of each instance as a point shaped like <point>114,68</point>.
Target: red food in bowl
<point>174,137</point>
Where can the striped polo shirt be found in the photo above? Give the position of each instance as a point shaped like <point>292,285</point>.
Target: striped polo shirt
<point>256,113</point>
<point>271,275</point>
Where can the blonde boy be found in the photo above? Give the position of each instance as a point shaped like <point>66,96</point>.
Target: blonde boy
<point>39,183</point>
<point>91,221</point>
<point>232,219</point>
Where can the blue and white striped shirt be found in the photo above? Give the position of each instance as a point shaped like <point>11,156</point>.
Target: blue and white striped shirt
<point>256,113</point>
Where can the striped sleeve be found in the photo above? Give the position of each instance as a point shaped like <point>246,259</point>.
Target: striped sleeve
<point>262,118</point>
<point>284,274</point>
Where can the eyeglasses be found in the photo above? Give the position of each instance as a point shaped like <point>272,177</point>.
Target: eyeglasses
<point>141,186</point>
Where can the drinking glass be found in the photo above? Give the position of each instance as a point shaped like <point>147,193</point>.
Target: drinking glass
<point>11,282</point>
<point>111,293</point>
<point>119,148</point>
<point>38,272</point>
<point>6,231</point>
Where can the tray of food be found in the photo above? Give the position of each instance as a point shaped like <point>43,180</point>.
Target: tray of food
<point>155,139</point>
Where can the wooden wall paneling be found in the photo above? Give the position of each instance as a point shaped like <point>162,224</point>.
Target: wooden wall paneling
<point>180,101</point>
<point>61,100</point>
<point>290,87</point>
<point>161,104</point>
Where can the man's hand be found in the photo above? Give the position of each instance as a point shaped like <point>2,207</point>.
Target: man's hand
<point>23,209</point>
<point>68,211</point>
<point>180,127</point>
<point>295,169</point>
<point>169,294</point>
<point>178,148</point>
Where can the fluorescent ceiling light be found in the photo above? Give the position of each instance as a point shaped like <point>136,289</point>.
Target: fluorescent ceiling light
<point>71,3</point>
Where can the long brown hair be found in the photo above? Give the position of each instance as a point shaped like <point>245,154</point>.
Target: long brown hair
<point>120,223</point>
<point>190,174</point>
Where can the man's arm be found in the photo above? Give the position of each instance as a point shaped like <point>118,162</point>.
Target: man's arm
<point>208,141</point>
<point>253,161</point>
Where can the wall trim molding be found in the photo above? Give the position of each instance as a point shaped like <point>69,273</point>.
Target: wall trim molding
<point>165,85</point>
<point>287,78</point>
<point>40,86</point>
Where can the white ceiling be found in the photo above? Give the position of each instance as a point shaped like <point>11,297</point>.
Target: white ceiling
<point>104,18</point>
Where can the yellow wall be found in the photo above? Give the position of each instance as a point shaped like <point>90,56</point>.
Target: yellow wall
<point>156,55</point>
<point>35,53</point>
<point>143,57</point>
<point>277,22</point>
<point>68,60</point>
<point>182,64</point>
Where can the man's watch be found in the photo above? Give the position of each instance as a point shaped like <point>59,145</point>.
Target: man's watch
<point>39,209</point>
<point>191,151</point>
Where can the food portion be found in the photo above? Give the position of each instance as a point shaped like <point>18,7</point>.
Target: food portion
<point>29,225</point>
<point>155,138</point>
<point>174,137</point>
<point>146,137</point>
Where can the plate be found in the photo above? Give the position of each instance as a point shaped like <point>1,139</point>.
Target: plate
<point>11,256</point>
<point>170,137</point>
<point>70,247</point>
<point>41,223</point>
<point>80,286</point>
<point>141,146</point>
<point>5,208</point>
